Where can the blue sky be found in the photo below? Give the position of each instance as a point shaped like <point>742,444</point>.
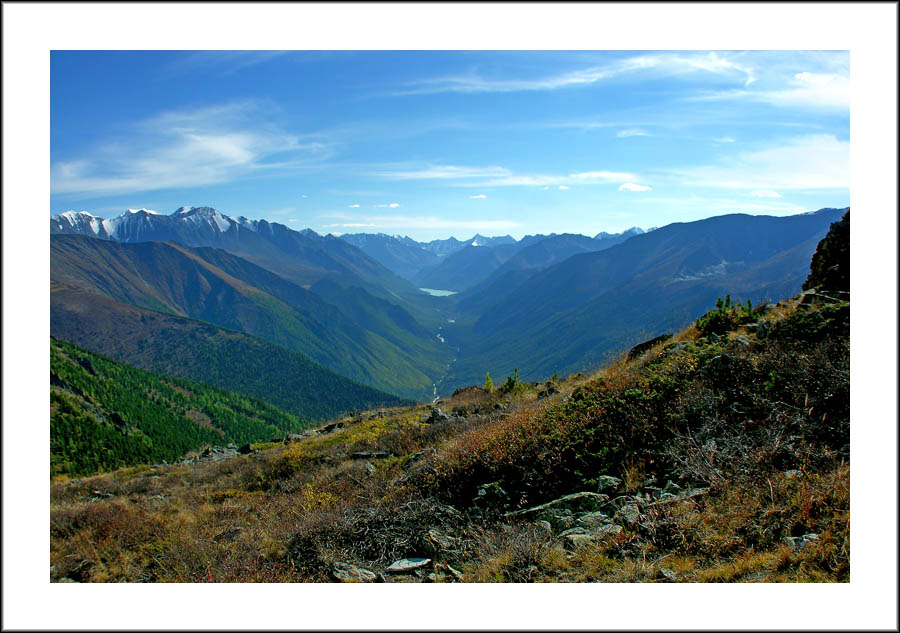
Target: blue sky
<point>431,144</point>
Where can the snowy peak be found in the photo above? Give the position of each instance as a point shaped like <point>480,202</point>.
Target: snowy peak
<point>204,216</point>
<point>79,222</point>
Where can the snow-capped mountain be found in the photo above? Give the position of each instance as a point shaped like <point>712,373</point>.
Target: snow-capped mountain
<point>187,224</point>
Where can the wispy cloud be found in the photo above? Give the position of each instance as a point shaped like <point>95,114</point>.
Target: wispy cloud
<point>819,91</point>
<point>353,206</point>
<point>444,172</point>
<point>479,196</point>
<point>765,193</point>
<point>409,222</point>
<point>630,186</point>
<point>494,176</point>
<point>724,139</point>
<point>187,148</point>
<point>634,131</point>
<point>222,62</point>
<point>721,64</point>
<point>816,161</point>
<point>541,180</point>
<point>391,205</point>
<point>563,187</point>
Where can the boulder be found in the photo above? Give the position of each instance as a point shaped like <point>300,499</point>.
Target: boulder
<point>546,393</point>
<point>370,455</point>
<point>576,502</point>
<point>245,449</point>
<point>607,483</point>
<point>674,349</point>
<point>345,572</point>
<point>642,348</point>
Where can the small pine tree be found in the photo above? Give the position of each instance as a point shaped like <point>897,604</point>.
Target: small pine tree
<point>488,383</point>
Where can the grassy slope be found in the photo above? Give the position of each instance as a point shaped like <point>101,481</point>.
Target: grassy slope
<point>760,423</point>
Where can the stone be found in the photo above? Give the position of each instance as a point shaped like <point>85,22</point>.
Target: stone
<point>345,572</point>
<point>407,565</point>
<point>607,483</point>
<point>641,348</point>
<point>593,519</point>
<point>330,428</point>
<point>438,542</point>
<point>742,341</point>
<point>674,349</point>
<point>629,514</point>
<point>229,534</point>
<point>668,574</point>
<point>437,415</point>
<point>546,393</point>
<point>793,474</point>
<point>370,469</point>
<point>370,455</point>
<point>245,449</point>
<point>575,502</point>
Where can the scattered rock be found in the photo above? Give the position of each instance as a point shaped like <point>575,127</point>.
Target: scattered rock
<point>629,514</point>
<point>668,574</point>
<point>579,501</point>
<point>330,428</point>
<point>793,474</point>
<point>607,483</point>
<point>407,565</point>
<point>546,393</point>
<point>593,519</point>
<point>741,341</point>
<point>345,572</point>
<point>370,469</point>
<point>438,542</point>
<point>246,449</point>
<point>799,542</point>
<point>230,534</point>
<point>641,348</point>
<point>370,455</point>
<point>674,349</point>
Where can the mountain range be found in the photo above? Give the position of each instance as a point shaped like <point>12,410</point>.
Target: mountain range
<point>162,292</point>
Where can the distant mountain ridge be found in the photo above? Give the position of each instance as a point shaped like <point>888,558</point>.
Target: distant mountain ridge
<point>391,353</point>
<point>573,315</point>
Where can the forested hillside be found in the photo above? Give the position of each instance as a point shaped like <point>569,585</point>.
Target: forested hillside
<point>104,415</point>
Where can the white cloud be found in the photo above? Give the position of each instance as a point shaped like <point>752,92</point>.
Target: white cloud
<point>819,91</point>
<point>765,193</point>
<point>185,148</point>
<point>353,206</point>
<point>581,178</point>
<point>634,131</point>
<point>630,186</point>
<point>303,195</point>
<point>563,187</point>
<point>443,172</point>
<point>723,139</point>
<point>479,196</point>
<point>392,205</point>
<point>816,161</point>
<point>655,63</point>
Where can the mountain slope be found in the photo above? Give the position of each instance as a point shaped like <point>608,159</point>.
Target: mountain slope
<point>215,286</point>
<point>104,414</point>
<point>651,283</point>
<point>302,257</point>
<point>190,349</point>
